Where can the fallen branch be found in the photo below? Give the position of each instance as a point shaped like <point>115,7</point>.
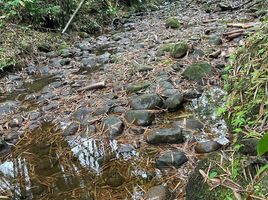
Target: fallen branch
<point>233,32</point>
<point>73,15</point>
<point>235,35</point>
<point>241,25</point>
<point>94,86</point>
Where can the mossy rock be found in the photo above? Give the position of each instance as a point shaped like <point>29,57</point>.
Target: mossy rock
<point>165,48</point>
<point>196,189</point>
<point>179,50</point>
<point>198,71</point>
<point>172,22</point>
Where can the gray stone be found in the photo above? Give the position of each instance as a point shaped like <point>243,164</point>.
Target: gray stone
<point>81,114</point>
<point>159,192</point>
<point>65,53</point>
<point>165,135</point>
<point>102,110</point>
<point>191,123</point>
<point>112,126</point>
<point>173,158</point>
<point>139,117</point>
<point>215,40</point>
<point>16,122</point>
<point>65,61</point>
<point>174,102</point>
<point>207,147</point>
<point>146,102</point>
<point>51,106</point>
<point>104,58</point>
<point>34,115</point>
<point>7,107</point>
<point>71,129</point>
<point>90,61</point>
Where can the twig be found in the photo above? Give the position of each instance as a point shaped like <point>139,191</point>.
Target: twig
<point>94,86</point>
<point>72,17</point>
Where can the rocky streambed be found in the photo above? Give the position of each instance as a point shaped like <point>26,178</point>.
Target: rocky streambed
<point>124,115</point>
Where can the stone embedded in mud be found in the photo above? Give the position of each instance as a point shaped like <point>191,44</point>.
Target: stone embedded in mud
<point>146,102</point>
<point>7,107</point>
<point>179,50</point>
<point>159,192</point>
<point>215,40</point>
<point>71,129</point>
<point>174,102</point>
<point>173,158</point>
<point>207,147</point>
<point>114,179</point>
<point>136,87</point>
<point>112,126</point>
<point>198,71</point>
<point>139,117</point>
<point>172,22</point>
<point>165,135</point>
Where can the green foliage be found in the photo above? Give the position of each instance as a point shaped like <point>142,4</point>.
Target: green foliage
<point>263,145</point>
<point>246,84</point>
<point>212,174</point>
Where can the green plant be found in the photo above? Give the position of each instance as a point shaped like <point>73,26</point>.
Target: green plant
<point>263,145</point>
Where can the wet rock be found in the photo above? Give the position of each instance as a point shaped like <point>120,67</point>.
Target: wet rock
<point>172,22</point>
<point>198,71</point>
<point>139,117</point>
<point>165,135</point>
<point>114,179</point>
<point>207,147</point>
<point>34,115</point>
<point>51,106</point>
<point>174,102</point>
<point>173,158</point>
<point>112,126</point>
<point>16,122</point>
<point>136,87</point>
<point>215,40</point>
<point>71,129</point>
<point>146,102</point>
<point>7,107</point>
<point>159,192</point>
<point>191,123</point>
<point>179,50</point>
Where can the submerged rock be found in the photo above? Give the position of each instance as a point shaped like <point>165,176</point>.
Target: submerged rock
<point>179,50</point>
<point>146,102</point>
<point>198,71</point>
<point>114,179</point>
<point>173,158</point>
<point>112,126</point>
<point>139,117</point>
<point>207,147</point>
<point>165,135</point>
<point>172,22</point>
<point>71,129</point>
<point>159,192</point>
<point>174,102</point>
